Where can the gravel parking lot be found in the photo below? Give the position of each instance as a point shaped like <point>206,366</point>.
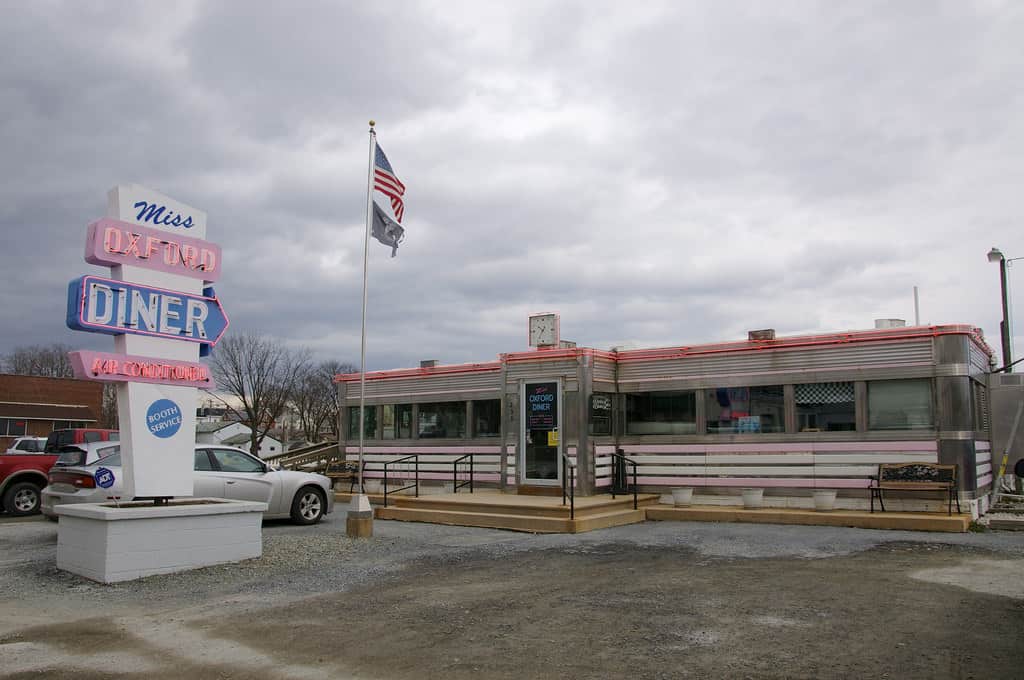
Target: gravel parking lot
<point>658,600</point>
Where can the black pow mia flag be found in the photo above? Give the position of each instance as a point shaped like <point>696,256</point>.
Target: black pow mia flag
<point>387,230</point>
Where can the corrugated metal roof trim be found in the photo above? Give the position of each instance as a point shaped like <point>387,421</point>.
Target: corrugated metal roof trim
<point>554,354</point>
<point>825,357</point>
<point>792,342</point>
<point>513,357</point>
<point>421,372</point>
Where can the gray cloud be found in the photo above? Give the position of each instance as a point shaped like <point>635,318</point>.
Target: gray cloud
<point>658,174</point>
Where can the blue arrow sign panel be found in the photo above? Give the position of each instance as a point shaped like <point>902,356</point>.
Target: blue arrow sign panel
<point>114,307</point>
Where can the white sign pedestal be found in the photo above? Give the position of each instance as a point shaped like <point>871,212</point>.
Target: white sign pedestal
<point>107,543</point>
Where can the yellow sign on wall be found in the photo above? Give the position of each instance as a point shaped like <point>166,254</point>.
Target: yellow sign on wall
<point>552,437</point>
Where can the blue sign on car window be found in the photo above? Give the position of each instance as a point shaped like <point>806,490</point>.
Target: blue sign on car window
<point>104,478</point>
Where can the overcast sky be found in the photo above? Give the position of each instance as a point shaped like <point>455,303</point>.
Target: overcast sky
<point>657,173</point>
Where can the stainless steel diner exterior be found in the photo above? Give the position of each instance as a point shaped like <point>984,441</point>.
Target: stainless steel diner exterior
<point>787,414</point>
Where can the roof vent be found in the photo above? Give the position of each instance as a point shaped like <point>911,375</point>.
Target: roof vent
<point>761,335</point>
<point>566,344</point>
<point>890,323</point>
<point>429,363</point>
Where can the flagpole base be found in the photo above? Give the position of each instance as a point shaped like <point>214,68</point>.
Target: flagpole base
<point>359,521</point>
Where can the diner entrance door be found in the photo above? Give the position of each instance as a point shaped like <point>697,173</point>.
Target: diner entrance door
<point>540,433</point>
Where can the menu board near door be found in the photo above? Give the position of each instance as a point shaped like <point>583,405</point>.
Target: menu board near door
<point>542,406</point>
<point>600,414</point>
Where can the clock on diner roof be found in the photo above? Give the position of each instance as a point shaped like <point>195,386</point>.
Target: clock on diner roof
<point>543,330</point>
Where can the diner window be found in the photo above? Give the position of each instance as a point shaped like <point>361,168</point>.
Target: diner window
<point>487,418</point>
<point>825,407</point>
<point>396,421</point>
<point>900,405</point>
<point>745,409</point>
<point>661,413</point>
<point>369,422</point>
<point>443,420</point>
<point>981,413</point>
<point>13,427</point>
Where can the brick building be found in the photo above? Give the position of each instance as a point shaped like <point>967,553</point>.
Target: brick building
<point>33,405</point>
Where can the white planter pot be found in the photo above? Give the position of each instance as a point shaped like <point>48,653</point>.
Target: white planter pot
<point>824,499</point>
<point>753,498</point>
<point>682,497</point>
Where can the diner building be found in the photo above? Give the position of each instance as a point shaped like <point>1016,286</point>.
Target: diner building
<point>786,414</point>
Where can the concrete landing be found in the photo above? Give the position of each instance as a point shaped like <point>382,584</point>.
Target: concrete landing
<point>534,514</point>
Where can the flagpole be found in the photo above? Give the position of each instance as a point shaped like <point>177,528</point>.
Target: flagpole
<point>366,257</point>
<point>360,517</point>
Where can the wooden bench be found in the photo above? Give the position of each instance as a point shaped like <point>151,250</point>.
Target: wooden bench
<point>915,477</point>
<point>342,470</point>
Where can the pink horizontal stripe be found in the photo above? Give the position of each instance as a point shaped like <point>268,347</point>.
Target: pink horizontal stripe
<point>984,481</point>
<point>893,447</point>
<point>982,446</point>
<point>663,448</point>
<point>792,447</point>
<point>409,474</point>
<point>603,481</point>
<point>439,450</point>
<point>757,482</point>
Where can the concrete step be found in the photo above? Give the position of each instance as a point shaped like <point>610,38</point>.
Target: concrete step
<point>512,505</point>
<point>513,522</point>
<point>604,520</point>
<point>536,525</point>
<point>1006,523</point>
<point>1010,509</point>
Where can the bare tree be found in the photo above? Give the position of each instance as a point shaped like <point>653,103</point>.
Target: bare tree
<point>261,374</point>
<point>50,361</point>
<point>316,399</point>
<point>108,409</point>
<point>331,369</point>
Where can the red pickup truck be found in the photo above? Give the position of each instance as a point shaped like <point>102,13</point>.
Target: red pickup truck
<point>23,475</point>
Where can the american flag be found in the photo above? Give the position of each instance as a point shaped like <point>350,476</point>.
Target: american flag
<point>385,181</point>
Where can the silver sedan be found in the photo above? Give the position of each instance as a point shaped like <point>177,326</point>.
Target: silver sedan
<point>220,472</point>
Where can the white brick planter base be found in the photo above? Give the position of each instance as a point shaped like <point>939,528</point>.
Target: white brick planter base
<point>108,544</point>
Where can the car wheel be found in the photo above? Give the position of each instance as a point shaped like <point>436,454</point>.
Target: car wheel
<point>22,499</point>
<point>308,505</point>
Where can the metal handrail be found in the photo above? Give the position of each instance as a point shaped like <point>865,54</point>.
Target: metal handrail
<point>455,473</point>
<point>416,483</point>
<point>617,473</point>
<point>569,474</point>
